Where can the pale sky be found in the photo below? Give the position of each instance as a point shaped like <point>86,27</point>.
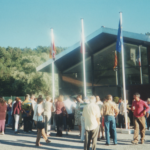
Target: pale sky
<point>27,23</point>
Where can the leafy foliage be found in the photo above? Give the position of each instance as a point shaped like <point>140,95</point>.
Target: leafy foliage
<point>18,74</point>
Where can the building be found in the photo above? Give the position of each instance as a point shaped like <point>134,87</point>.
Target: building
<point>100,75</point>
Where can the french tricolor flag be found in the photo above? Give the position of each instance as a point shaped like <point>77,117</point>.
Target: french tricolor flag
<point>139,57</point>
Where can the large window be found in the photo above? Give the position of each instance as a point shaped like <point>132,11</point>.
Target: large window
<point>72,78</point>
<point>136,71</point>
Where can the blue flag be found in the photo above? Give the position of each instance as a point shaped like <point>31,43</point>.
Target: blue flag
<point>119,38</point>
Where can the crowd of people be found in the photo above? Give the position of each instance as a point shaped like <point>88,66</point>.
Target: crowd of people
<point>97,120</point>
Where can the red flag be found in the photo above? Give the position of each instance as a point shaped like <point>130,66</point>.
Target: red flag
<point>115,62</point>
<point>52,49</point>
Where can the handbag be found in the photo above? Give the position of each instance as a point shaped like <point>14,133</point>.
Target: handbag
<point>40,124</point>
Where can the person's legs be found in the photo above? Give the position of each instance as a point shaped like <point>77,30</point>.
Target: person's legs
<point>64,122</point>
<point>113,129</point>
<point>122,121</point>
<point>119,121</point>
<point>46,124</point>
<point>86,140</point>
<point>44,134</point>
<point>13,122</point>
<point>30,123</point>
<point>107,126</point>
<point>142,127</point>
<point>2,126</point>
<point>16,116</point>
<point>136,129</point>
<point>94,138</point>
<point>39,132</point>
<point>82,128</point>
<point>9,118</point>
<point>25,124</point>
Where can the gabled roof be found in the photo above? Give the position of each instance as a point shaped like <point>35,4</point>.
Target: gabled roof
<point>94,42</point>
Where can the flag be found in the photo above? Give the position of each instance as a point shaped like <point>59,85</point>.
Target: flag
<point>119,38</point>
<point>116,61</point>
<point>52,49</point>
<point>139,58</point>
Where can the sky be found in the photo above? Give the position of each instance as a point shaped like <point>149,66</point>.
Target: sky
<point>27,23</point>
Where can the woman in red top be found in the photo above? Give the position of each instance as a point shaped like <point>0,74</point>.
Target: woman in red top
<point>3,109</point>
<point>16,112</point>
<point>59,115</point>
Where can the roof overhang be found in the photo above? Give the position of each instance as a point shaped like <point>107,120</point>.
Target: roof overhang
<point>94,42</point>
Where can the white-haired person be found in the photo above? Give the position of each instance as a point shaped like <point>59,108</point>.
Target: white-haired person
<point>82,105</point>
<point>91,114</point>
<point>47,114</point>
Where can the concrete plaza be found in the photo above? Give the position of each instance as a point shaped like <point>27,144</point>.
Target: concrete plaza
<point>26,141</point>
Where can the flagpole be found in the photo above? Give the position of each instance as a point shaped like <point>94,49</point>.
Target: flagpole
<point>123,75</point>
<point>140,65</point>
<point>53,78</point>
<point>83,54</point>
<point>116,69</point>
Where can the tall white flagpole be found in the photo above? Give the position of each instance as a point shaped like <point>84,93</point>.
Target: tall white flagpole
<point>140,65</point>
<point>123,75</point>
<point>53,57</point>
<point>83,54</point>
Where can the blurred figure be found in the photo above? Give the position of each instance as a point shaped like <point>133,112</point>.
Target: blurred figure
<point>27,109</point>
<point>69,105</point>
<point>38,117</point>
<point>59,114</point>
<point>139,108</point>
<point>3,110</point>
<point>77,112</point>
<point>148,114</point>
<point>121,119</point>
<point>16,112</point>
<point>128,119</point>
<point>47,114</point>
<point>9,106</point>
<point>91,114</point>
<point>101,127</point>
<point>110,109</point>
<point>82,105</point>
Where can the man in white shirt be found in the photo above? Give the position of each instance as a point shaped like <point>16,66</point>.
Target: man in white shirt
<point>91,114</point>
<point>69,105</point>
<point>101,128</point>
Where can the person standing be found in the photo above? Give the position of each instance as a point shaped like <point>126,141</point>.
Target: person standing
<point>77,113</point>
<point>148,114</point>
<point>121,119</point>
<point>69,105</point>
<point>32,110</point>
<point>16,112</point>
<point>3,110</point>
<point>82,105</point>
<point>9,106</point>
<point>59,114</point>
<point>139,108</point>
<point>101,128</point>
<point>38,117</point>
<point>110,109</point>
<point>47,114</point>
<point>27,108</point>
<point>91,114</point>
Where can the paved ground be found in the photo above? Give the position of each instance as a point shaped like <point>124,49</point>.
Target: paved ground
<point>23,141</point>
